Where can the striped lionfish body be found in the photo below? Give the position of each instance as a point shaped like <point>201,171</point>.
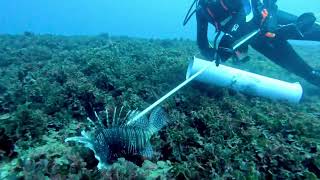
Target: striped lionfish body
<point>123,136</point>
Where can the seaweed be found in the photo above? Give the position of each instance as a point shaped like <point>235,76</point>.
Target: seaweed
<point>49,84</point>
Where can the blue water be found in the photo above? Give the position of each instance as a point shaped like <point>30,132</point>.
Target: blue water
<point>139,18</point>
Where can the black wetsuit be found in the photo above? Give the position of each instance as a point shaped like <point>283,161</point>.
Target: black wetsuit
<point>229,19</point>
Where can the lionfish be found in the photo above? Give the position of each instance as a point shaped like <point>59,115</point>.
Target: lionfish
<point>122,136</point>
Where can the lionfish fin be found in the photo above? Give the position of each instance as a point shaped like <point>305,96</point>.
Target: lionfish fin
<point>157,120</point>
<point>84,139</point>
<point>118,117</point>
<point>148,151</point>
<point>100,124</point>
<point>107,117</point>
<point>90,120</point>
<point>114,117</point>
<point>142,122</point>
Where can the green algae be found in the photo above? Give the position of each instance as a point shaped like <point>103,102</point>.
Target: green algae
<point>51,84</point>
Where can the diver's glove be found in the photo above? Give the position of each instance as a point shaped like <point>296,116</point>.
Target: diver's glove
<point>241,55</point>
<point>223,50</point>
<point>226,50</point>
<point>222,54</point>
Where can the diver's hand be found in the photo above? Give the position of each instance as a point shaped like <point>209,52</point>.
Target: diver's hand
<point>223,54</point>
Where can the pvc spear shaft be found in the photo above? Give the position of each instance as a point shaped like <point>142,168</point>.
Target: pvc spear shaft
<point>142,113</point>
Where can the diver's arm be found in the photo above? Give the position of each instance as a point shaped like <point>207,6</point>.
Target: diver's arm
<point>272,20</point>
<point>266,12</point>
<point>202,38</point>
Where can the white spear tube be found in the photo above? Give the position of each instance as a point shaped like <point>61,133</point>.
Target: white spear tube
<point>246,82</point>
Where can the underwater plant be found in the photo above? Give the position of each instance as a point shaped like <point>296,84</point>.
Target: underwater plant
<point>123,136</point>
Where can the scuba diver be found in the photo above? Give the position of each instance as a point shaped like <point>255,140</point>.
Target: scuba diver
<point>235,19</point>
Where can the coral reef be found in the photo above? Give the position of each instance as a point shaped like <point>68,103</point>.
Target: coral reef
<point>50,84</point>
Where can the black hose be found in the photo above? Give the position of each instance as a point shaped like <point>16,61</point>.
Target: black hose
<point>189,15</point>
